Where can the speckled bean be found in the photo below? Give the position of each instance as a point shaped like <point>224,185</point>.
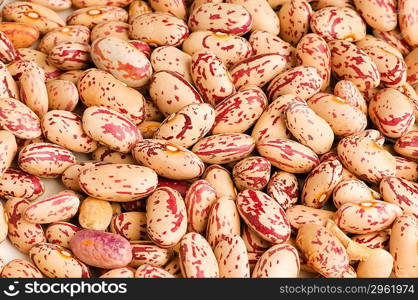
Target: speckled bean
<point>299,215</point>
<point>20,268</point>
<point>110,128</point>
<point>216,17</point>
<point>375,240</point>
<point>232,257</point>
<point>223,221</point>
<point>353,191</point>
<point>104,154</point>
<point>42,17</point>
<point>56,5</point>
<point>170,58</point>
<point>263,42</point>
<point>149,271</point>
<point>407,145</point>
<point>101,249</point>
<point>308,128</point>
<point>324,252</point>
<point>257,70</point>
<point>168,159</point>
<point>240,111</point>
<point>365,158</point>
<point>224,148</point>
<point>70,56</point>
<point>294,19</point>
<point>283,187</point>
<point>69,33</point>
<point>392,112</point>
<point>125,62</point>
<point>406,168</point>
<point>288,155</point>
<point>124,272</point>
<point>171,30</point>
<point>188,125</point>
<point>274,118</point>
<point>57,262</point>
<point>392,68</point>
<point>343,117</point>
<point>146,252</point>
<point>20,34</point>
<point>131,225</point>
<point>95,214</point>
<point>51,72</point>
<point>231,49</point>
<point>116,29</point>
<point>320,183</point>
<point>336,23</point>
<point>197,259</point>
<point>33,91</point>
<point>211,77</point>
<point>93,15</point>
<point>263,215</point>
<point>22,234</point>
<point>61,233</point>
<point>109,92</point>
<point>349,62</point>
<point>166,217</point>
<point>7,50</point>
<point>221,180</point>
<point>366,216</point>
<point>45,159</point>
<point>198,200</point>
<point>348,91</point>
<point>408,21</point>
<point>19,119</point>
<point>401,192</point>
<point>251,173</point>
<point>302,81</point>
<point>278,261</point>
<point>54,208</point>
<point>9,87</point>
<point>180,94</point>
<point>131,183</point>
<point>403,241</point>
<point>62,95</point>
<point>64,128</point>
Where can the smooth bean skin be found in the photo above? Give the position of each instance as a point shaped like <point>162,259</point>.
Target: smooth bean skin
<point>100,249</point>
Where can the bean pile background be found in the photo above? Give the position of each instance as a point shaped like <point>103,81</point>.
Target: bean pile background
<point>237,138</point>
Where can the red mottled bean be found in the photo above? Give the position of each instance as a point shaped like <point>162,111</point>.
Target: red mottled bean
<point>199,199</point>
<point>263,215</point>
<point>45,159</point>
<point>284,189</point>
<point>232,258</point>
<point>251,173</point>
<point>166,217</point>
<point>324,252</point>
<point>221,17</point>
<point>55,208</point>
<point>168,159</point>
<point>124,182</point>
<point>278,261</point>
<point>288,155</point>
<point>224,148</point>
<point>366,216</point>
<point>171,30</point>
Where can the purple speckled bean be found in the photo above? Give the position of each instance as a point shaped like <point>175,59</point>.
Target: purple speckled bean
<point>101,249</point>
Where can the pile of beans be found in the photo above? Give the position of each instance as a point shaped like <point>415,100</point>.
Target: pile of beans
<point>236,138</point>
